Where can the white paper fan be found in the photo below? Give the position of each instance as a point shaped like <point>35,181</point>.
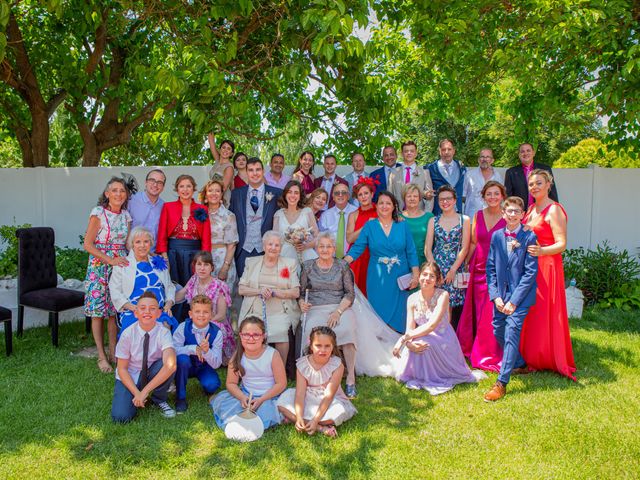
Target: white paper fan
<point>244,427</point>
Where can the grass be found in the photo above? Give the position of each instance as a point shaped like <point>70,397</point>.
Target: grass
<point>54,423</point>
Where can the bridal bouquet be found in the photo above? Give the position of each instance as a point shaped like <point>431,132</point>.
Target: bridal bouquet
<point>298,236</point>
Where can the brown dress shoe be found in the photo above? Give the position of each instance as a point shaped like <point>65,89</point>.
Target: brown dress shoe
<point>520,371</point>
<point>496,393</point>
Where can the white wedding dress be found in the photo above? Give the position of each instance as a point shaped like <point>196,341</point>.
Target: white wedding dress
<point>281,224</point>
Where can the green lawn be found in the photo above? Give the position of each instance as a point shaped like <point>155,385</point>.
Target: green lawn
<point>54,423</point>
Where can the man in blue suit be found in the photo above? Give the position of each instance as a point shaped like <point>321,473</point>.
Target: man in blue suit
<point>511,278</point>
<point>381,175</point>
<point>254,206</point>
<point>447,171</point>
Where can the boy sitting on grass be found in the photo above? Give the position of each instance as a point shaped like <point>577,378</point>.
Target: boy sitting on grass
<point>198,343</point>
<point>146,363</point>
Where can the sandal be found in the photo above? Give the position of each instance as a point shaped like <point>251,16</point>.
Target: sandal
<point>104,365</point>
<point>329,431</point>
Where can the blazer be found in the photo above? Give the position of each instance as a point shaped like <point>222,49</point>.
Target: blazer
<point>422,178</point>
<point>516,184</point>
<point>123,279</point>
<point>317,183</point>
<point>439,180</point>
<point>512,278</point>
<point>378,175</point>
<point>238,206</point>
<point>351,179</point>
<point>170,216</point>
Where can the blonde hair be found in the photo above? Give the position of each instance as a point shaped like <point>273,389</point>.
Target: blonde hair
<point>411,187</point>
<point>202,196</point>
<point>542,173</point>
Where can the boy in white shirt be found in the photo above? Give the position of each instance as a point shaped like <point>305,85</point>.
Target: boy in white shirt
<point>146,363</point>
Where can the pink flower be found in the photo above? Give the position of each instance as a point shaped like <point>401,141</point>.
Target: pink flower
<point>95,294</point>
<point>92,276</point>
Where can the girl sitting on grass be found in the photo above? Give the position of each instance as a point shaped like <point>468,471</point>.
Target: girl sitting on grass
<point>256,368</point>
<point>318,404</point>
<point>204,283</point>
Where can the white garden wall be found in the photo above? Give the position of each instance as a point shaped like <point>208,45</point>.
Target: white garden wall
<point>602,204</point>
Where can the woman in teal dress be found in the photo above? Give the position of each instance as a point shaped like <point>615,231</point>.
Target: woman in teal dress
<point>393,254</point>
<point>416,217</point>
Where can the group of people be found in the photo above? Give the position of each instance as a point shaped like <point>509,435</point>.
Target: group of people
<point>428,274</point>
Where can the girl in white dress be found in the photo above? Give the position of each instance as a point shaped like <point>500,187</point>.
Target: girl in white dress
<point>294,215</point>
<point>318,404</point>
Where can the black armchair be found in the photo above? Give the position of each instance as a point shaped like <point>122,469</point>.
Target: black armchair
<point>38,279</point>
<point>5,317</point>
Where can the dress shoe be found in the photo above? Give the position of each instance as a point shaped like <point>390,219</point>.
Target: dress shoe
<point>496,393</point>
<point>520,371</point>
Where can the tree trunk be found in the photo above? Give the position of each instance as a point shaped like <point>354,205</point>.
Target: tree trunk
<point>40,138</point>
<point>90,152</point>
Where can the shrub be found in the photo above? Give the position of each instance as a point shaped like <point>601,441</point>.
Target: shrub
<point>9,256</point>
<point>71,262</point>
<point>599,271</point>
<point>593,151</point>
<point>625,297</point>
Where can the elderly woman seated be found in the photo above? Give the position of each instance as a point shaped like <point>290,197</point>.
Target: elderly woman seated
<point>327,284</point>
<point>145,272</point>
<point>270,287</point>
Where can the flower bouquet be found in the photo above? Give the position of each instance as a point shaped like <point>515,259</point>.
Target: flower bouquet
<point>298,236</point>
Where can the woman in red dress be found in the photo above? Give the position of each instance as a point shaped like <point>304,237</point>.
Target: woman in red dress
<point>363,191</point>
<point>304,172</point>
<point>240,164</point>
<point>545,342</point>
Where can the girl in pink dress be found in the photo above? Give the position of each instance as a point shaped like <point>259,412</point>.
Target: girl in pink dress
<point>204,283</point>
<point>475,330</point>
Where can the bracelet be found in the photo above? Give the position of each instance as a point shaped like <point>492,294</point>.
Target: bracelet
<point>339,311</point>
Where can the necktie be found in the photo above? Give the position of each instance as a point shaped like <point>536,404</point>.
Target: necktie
<point>407,175</point>
<point>255,203</point>
<point>340,239</point>
<point>447,168</point>
<point>144,373</point>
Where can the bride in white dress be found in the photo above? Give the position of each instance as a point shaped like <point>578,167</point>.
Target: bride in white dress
<point>294,215</point>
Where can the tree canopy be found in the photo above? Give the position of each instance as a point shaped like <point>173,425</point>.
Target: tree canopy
<point>135,82</point>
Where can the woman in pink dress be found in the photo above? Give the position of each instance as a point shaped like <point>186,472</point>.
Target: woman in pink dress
<point>475,330</point>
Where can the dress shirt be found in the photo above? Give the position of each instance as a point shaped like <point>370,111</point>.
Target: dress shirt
<point>511,240</point>
<point>129,347</point>
<point>453,175</point>
<point>144,212</point>
<point>413,168</point>
<point>473,183</point>
<point>387,172</point>
<point>327,183</point>
<point>213,357</point>
<point>272,182</point>
<point>329,221</point>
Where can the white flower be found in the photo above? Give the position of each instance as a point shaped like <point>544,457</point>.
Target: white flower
<point>268,196</point>
<point>389,262</point>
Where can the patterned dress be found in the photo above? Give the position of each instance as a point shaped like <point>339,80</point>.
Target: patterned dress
<point>110,240</point>
<point>146,280</point>
<point>213,291</point>
<point>223,230</point>
<point>445,250</point>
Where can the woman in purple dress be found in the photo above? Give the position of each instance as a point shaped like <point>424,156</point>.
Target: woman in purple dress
<point>475,328</point>
<point>435,362</point>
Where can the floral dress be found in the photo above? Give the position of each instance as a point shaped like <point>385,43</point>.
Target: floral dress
<point>445,250</point>
<point>213,291</point>
<point>110,240</point>
<point>224,230</point>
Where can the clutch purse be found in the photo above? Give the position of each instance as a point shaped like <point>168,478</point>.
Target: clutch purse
<point>404,281</point>
<point>461,280</point>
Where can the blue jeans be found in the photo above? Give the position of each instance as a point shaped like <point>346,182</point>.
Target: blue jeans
<point>189,367</point>
<point>507,332</point>
<point>122,409</point>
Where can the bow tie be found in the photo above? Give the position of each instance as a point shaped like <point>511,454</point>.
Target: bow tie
<point>509,234</point>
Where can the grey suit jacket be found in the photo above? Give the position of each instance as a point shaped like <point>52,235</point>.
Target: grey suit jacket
<point>422,178</point>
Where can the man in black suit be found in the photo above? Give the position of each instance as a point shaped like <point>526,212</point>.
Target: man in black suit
<point>515,180</point>
<point>254,206</point>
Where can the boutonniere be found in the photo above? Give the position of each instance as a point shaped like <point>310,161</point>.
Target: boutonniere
<point>158,263</point>
<point>515,244</point>
<point>268,196</point>
<point>200,214</point>
<point>285,273</point>
<point>336,183</point>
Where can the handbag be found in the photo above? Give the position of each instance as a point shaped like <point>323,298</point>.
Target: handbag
<point>461,280</point>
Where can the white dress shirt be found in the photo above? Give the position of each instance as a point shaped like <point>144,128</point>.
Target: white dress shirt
<point>329,221</point>
<point>473,184</point>
<point>131,343</point>
<point>213,357</point>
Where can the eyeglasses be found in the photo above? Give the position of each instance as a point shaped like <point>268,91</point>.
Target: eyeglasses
<point>340,192</point>
<point>445,199</point>
<point>251,336</point>
<point>155,182</point>
<point>513,211</point>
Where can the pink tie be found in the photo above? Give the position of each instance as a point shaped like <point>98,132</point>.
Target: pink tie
<point>407,175</point>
